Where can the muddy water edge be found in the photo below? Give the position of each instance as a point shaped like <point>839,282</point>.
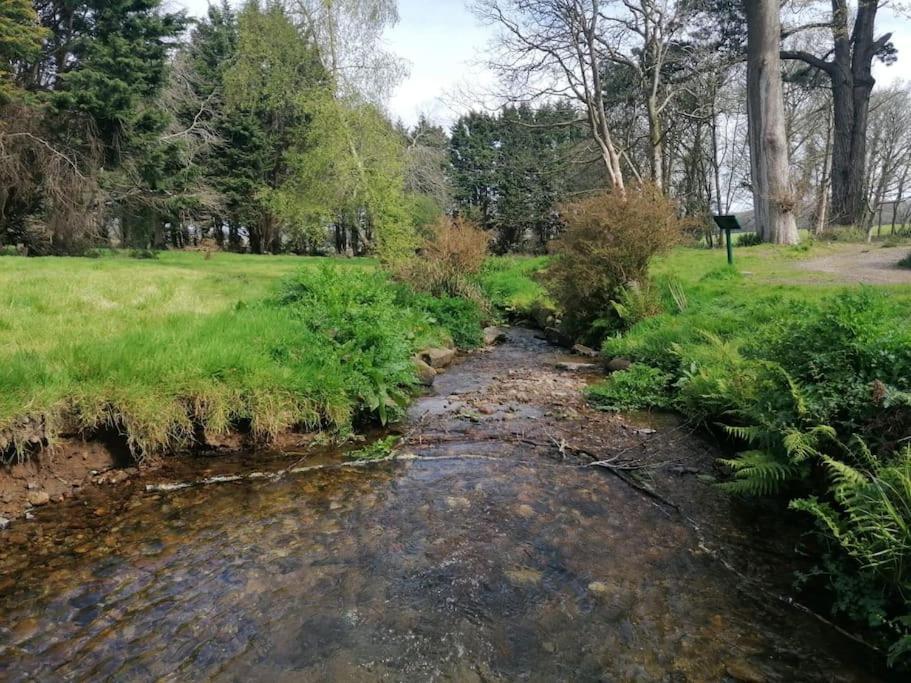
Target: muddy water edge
<point>493,551</point>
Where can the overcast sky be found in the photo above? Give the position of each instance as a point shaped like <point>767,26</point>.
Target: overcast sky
<point>443,45</point>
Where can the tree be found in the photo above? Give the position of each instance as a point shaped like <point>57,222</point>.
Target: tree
<point>275,77</point>
<point>850,71</point>
<point>553,49</point>
<point>20,42</point>
<point>647,38</point>
<point>773,197</point>
<point>511,170</point>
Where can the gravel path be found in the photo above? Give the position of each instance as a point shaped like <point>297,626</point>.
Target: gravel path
<point>868,264</point>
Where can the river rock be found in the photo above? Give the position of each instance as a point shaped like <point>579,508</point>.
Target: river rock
<point>37,498</point>
<point>586,351</point>
<point>573,367</point>
<point>493,335</point>
<point>438,358</point>
<point>426,374</point>
<point>618,364</point>
<point>555,336</point>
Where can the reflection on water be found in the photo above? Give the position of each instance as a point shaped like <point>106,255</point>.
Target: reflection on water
<point>456,570</point>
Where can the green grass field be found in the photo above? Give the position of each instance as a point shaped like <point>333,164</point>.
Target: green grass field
<point>159,349</point>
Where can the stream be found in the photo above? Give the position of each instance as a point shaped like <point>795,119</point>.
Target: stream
<point>494,555</point>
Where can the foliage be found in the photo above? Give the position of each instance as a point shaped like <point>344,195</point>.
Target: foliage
<point>380,449</point>
<point>749,239</point>
<point>639,386</point>
<point>166,349</point>
<point>608,244</point>
<point>637,301</point>
<point>905,262</point>
<point>808,381</point>
<point>510,171</point>
<point>511,283</point>
<point>462,318</point>
<point>20,40</point>
<point>448,261</point>
<point>869,518</point>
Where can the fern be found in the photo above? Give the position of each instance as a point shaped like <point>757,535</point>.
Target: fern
<point>871,519</point>
<point>759,473</point>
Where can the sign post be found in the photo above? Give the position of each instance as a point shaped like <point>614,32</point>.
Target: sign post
<point>727,224</point>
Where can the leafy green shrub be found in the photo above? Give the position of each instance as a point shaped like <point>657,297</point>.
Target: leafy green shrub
<point>749,239</point>
<point>793,381</point>
<point>512,284</point>
<point>637,301</point>
<point>905,262</point>
<point>8,250</point>
<point>608,243</point>
<point>869,517</point>
<point>639,386</point>
<point>143,254</point>
<point>462,318</point>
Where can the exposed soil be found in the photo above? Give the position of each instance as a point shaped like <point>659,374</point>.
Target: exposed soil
<point>863,263</point>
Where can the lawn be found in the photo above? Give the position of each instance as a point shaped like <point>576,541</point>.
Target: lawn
<point>46,302</point>
<point>161,349</point>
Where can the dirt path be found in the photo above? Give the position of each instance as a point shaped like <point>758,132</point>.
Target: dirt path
<point>491,550</point>
<point>868,264</point>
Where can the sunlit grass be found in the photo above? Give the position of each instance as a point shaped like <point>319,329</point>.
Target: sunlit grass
<point>159,349</point>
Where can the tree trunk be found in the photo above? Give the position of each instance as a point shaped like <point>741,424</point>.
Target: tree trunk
<point>656,143</point>
<point>773,197</point>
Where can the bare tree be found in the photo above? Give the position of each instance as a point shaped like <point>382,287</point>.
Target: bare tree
<point>848,63</point>
<point>773,197</point>
<point>554,49</point>
<point>646,36</point>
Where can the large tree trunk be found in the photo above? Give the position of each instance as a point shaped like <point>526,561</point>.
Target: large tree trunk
<point>851,74</point>
<point>773,196</point>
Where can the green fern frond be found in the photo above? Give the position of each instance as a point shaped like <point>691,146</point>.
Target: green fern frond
<point>803,445</point>
<point>758,473</point>
<point>750,434</point>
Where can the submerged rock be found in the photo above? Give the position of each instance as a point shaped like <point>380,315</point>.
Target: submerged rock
<point>426,374</point>
<point>438,358</point>
<point>618,364</point>
<point>37,498</point>
<point>573,367</point>
<point>586,351</point>
<point>493,336</point>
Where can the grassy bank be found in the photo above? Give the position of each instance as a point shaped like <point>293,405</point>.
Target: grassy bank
<point>165,349</point>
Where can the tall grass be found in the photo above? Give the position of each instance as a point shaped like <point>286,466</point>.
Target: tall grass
<point>165,350</point>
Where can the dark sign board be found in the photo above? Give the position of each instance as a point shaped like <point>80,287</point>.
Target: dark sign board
<point>727,222</point>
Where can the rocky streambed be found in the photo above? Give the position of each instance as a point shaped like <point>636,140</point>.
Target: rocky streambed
<point>519,535</point>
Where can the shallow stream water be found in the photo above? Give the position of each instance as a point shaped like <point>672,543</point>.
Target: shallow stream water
<point>516,567</point>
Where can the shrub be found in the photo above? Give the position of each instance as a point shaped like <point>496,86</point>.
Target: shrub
<point>749,239</point>
<point>608,243</point>
<point>905,262</point>
<point>448,261</point>
<point>462,318</point>
<point>639,386</point>
<point>869,518</point>
<point>143,254</point>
